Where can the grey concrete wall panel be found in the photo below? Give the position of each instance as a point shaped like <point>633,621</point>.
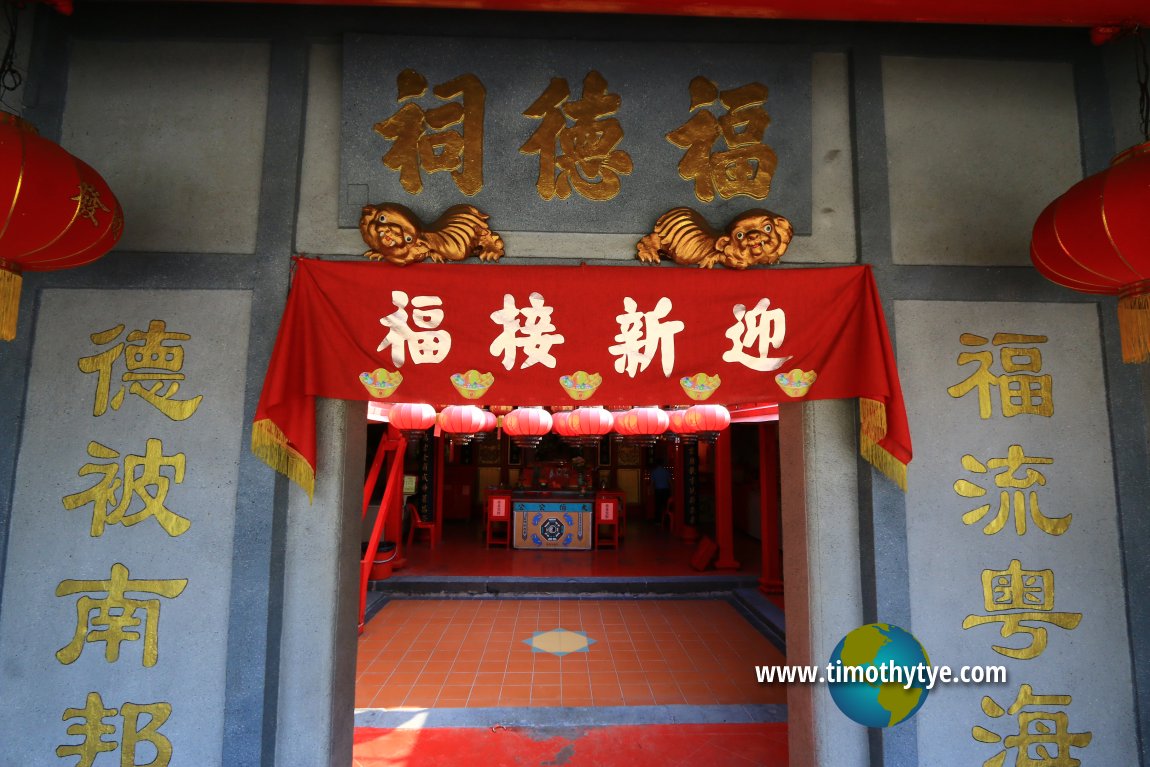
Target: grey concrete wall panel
<point>51,544</point>
<point>652,82</point>
<point>832,239</point>
<point>1090,663</point>
<point>964,190</point>
<point>186,170</point>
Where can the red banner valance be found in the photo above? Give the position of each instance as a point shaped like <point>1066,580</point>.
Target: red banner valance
<point>576,335</point>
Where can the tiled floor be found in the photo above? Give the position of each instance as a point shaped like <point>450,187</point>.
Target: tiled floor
<point>467,653</point>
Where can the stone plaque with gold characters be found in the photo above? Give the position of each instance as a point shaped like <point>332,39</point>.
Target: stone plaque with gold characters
<point>1012,533</point>
<point>564,136</point>
<point>121,531</point>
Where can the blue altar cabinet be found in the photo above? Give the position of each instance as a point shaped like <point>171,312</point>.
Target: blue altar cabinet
<point>552,519</point>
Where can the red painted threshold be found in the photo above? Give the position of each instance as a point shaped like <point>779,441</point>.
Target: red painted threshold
<point>661,745</point>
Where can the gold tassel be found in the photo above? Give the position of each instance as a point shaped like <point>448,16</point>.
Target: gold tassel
<point>1134,327</point>
<point>10,283</point>
<point>271,446</point>
<point>872,418</point>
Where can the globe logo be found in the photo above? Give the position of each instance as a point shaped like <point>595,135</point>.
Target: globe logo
<point>873,675</point>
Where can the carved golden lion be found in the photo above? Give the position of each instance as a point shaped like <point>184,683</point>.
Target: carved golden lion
<point>394,233</point>
<point>681,234</point>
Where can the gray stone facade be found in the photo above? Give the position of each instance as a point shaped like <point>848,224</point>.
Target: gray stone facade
<point>930,156</point>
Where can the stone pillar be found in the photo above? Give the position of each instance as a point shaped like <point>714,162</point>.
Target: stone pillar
<point>316,706</point>
<point>821,571</point>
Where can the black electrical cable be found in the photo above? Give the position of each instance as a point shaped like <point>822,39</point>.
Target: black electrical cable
<point>10,78</point>
<point>1142,68</point>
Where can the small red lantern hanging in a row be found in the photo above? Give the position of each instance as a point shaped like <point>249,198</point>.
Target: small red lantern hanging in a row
<point>462,422</point>
<point>60,212</point>
<point>708,420</point>
<point>412,418</point>
<point>527,425</point>
<point>643,425</point>
<point>590,424</point>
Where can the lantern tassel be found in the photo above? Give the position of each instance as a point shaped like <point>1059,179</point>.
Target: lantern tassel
<point>1134,327</point>
<point>10,283</point>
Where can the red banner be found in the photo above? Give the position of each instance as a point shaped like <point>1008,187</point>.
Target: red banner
<point>576,335</point>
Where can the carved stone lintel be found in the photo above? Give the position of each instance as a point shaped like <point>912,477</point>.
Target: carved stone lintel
<point>755,237</point>
<point>395,234</point>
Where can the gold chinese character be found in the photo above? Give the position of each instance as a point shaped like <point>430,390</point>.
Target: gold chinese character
<point>1038,731</point>
<point>421,139</point>
<point>1019,391</point>
<point>747,164</point>
<point>142,479</point>
<point>92,729</point>
<point>153,360</point>
<point>90,202</point>
<point>1015,460</point>
<point>115,614</point>
<point>582,156</point>
<point>1018,589</point>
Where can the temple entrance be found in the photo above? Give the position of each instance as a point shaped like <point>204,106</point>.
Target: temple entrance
<point>657,621</point>
<point>685,507</point>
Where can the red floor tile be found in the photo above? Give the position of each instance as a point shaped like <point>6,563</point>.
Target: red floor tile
<point>697,652</point>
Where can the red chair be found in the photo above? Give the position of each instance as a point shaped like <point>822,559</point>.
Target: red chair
<point>610,509</point>
<point>417,523</point>
<point>499,519</point>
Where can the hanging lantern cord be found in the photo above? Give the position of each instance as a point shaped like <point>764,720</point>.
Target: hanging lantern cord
<point>10,78</point>
<point>1142,68</point>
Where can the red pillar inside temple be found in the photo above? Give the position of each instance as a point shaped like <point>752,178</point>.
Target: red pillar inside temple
<point>771,581</point>
<point>724,517</point>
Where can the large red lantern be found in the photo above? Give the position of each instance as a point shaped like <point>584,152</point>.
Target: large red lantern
<point>1095,239</point>
<point>59,212</point>
<point>490,421</point>
<point>527,425</point>
<point>413,419</point>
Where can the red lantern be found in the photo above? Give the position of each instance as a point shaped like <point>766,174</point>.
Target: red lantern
<point>645,424</point>
<point>527,425</point>
<point>708,420</point>
<point>461,422</point>
<point>1094,239</point>
<point>59,212</point>
<point>413,419</point>
<point>624,427</point>
<point>490,421</point>
<point>679,428</point>
<point>561,425</point>
<point>590,423</point>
